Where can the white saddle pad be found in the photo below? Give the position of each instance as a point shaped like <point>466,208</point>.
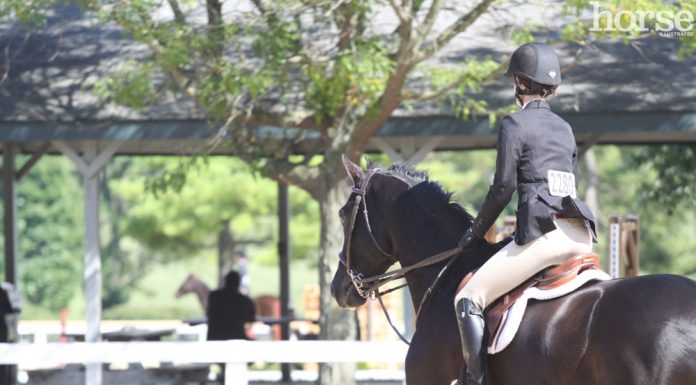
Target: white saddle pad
<point>513,316</point>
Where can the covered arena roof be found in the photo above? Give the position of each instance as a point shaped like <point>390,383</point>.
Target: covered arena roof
<point>612,92</point>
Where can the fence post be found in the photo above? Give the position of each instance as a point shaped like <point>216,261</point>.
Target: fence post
<point>236,373</point>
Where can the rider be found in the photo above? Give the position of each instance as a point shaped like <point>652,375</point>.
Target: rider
<point>537,156</point>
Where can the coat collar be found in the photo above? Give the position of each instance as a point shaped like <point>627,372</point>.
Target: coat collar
<point>536,103</point>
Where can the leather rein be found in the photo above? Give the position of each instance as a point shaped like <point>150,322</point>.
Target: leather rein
<point>368,287</point>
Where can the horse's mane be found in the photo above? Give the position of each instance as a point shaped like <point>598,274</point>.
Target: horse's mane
<point>429,193</point>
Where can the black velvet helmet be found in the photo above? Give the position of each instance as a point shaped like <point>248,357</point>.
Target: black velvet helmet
<point>536,62</point>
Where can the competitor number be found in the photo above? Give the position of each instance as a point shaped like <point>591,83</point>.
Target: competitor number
<point>561,184</point>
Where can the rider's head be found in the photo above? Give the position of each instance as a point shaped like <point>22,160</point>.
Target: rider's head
<point>535,70</point>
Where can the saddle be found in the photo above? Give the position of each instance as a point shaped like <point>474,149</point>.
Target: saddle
<point>547,279</point>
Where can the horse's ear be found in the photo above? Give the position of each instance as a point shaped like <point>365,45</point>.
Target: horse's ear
<point>370,163</point>
<point>354,171</point>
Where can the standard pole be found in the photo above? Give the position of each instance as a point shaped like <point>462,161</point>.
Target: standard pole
<point>10,213</point>
<point>614,246</point>
<point>284,254</point>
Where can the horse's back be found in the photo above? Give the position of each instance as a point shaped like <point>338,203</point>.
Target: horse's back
<point>638,331</point>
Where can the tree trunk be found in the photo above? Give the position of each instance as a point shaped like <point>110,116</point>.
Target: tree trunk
<point>335,323</point>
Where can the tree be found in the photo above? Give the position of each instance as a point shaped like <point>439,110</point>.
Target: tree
<point>50,234</point>
<point>223,206</point>
<point>675,184</point>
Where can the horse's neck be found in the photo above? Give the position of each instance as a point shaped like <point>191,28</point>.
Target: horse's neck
<point>419,280</point>
<point>202,291</point>
<point>195,285</point>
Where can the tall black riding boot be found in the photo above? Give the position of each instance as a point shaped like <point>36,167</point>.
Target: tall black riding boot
<point>471,329</point>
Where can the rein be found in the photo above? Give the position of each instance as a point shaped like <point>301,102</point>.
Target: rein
<point>368,287</point>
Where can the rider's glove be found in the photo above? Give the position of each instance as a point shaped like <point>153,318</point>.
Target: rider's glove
<point>469,239</point>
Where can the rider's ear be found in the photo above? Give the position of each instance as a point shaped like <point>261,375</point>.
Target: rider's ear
<point>354,171</point>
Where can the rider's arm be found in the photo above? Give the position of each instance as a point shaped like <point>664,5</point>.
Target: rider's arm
<point>505,179</point>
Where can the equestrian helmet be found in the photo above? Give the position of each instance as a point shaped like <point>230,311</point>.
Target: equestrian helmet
<point>536,62</point>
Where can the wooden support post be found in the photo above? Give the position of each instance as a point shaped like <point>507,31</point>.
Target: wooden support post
<point>10,178</point>
<point>10,217</point>
<point>388,149</point>
<point>409,152</point>
<point>423,151</point>
<point>284,256</point>
<point>90,163</point>
<point>630,239</point>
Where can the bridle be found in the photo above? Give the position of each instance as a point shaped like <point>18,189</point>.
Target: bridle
<point>359,281</point>
<point>368,287</point>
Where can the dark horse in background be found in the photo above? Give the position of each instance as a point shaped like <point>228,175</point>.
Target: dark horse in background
<point>630,331</point>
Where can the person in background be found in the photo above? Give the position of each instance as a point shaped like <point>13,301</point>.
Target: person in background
<point>241,263</point>
<point>229,311</point>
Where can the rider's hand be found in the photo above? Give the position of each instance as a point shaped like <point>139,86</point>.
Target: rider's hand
<point>468,240</point>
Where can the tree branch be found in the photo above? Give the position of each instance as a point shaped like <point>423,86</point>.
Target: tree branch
<point>429,20</point>
<point>458,27</point>
<point>260,117</point>
<point>182,81</point>
<point>344,20</point>
<point>215,27</point>
<point>401,12</point>
<point>282,170</point>
<point>259,5</point>
<point>437,94</point>
<point>176,9</point>
<point>453,85</point>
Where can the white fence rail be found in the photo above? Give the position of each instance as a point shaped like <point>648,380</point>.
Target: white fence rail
<point>235,353</point>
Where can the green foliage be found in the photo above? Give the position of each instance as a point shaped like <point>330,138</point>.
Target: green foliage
<point>184,221</point>
<point>49,207</point>
<point>674,185</point>
<point>357,79</point>
<point>30,13</point>
<point>666,240</point>
<point>177,224</point>
<point>131,86</point>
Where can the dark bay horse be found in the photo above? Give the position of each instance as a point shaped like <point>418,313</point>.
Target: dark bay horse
<point>631,331</point>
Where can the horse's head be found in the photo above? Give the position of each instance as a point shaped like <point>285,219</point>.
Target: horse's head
<point>187,286</point>
<point>367,247</point>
